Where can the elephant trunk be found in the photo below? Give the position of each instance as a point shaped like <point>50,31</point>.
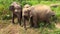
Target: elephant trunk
<point>54,18</point>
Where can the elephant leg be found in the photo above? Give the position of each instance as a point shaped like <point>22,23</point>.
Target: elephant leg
<point>35,22</point>
<point>24,21</point>
<point>47,22</point>
<point>19,19</point>
<point>25,24</point>
<point>13,18</point>
<point>31,22</point>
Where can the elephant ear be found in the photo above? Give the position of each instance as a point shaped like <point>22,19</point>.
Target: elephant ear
<point>30,10</point>
<point>11,8</point>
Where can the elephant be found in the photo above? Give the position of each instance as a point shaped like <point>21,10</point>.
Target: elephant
<point>25,13</point>
<point>39,13</point>
<point>16,11</point>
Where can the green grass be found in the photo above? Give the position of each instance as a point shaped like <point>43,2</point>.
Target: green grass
<point>49,31</point>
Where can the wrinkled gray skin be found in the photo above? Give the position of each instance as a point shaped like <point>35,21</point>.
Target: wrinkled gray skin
<point>17,11</point>
<point>40,13</point>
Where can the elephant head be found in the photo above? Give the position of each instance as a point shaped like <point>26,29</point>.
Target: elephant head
<point>15,7</point>
<point>53,15</point>
<point>26,10</point>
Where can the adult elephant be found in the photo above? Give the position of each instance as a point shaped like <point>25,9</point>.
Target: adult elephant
<point>17,11</point>
<point>39,13</point>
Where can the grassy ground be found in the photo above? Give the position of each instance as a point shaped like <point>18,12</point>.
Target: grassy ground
<point>6,27</point>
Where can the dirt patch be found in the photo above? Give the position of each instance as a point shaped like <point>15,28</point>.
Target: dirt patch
<point>16,29</point>
<point>0,26</point>
<point>57,25</point>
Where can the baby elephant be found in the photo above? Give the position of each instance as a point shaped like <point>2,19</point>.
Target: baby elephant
<point>17,11</point>
<point>25,14</point>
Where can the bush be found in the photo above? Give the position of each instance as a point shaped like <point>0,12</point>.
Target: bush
<point>6,17</point>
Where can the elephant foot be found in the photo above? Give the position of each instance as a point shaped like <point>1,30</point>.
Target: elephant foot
<point>19,23</point>
<point>13,23</point>
<point>31,26</point>
<point>25,28</point>
<point>35,26</point>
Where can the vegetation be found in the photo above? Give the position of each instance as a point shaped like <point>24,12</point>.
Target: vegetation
<point>6,15</point>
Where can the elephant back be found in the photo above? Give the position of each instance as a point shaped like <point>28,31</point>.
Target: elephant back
<point>42,11</point>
